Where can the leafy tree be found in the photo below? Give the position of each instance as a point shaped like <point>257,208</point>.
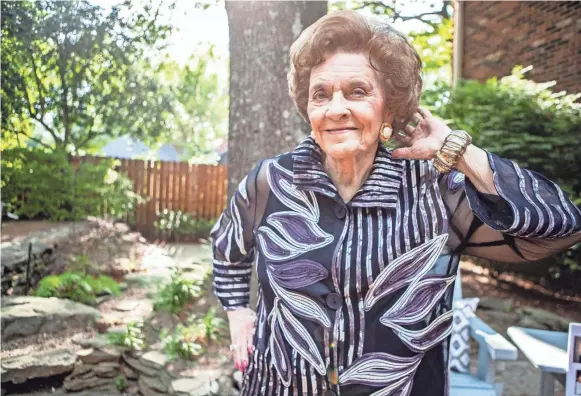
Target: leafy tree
<point>200,115</point>
<point>73,72</point>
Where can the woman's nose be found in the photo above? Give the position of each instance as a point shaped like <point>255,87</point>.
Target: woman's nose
<point>337,108</point>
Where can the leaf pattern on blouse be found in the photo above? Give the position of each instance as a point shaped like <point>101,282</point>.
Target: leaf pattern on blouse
<point>381,369</point>
<point>298,337</point>
<point>280,359</point>
<point>407,268</point>
<point>291,233</point>
<point>417,301</point>
<point>428,337</point>
<point>280,181</point>
<point>300,304</point>
<point>298,273</point>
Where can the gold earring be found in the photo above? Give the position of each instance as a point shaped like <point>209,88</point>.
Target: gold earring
<point>385,132</point>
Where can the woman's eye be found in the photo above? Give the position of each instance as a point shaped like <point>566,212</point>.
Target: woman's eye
<point>358,92</point>
<point>319,95</point>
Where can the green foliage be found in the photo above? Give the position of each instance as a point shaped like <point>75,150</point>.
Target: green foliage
<point>189,342</point>
<point>211,326</point>
<point>200,115</point>
<point>73,72</point>
<point>178,223</point>
<point>133,337</point>
<point>181,290</point>
<point>121,383</point>
<point>435,47</point>
<point>39,184</point>
<point>77,287</point>
<point>182,343</point>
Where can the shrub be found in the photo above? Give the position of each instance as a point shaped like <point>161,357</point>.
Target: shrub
<point>77,287</point>
<point>177,224</point>
<point>178,292</point>
<point>121,383</point>
<point>39,184</point>
<point>184,342</point>
<point>132,337</point>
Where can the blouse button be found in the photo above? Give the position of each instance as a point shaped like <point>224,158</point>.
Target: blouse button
<point>329,393</point>
<point>333,301</point>
<point>340,211</point>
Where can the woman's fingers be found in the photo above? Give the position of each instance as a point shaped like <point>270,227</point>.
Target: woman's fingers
<point>425,113</point>
<point>243,352</point>
<point>242,322</point>
<point>249,342</point>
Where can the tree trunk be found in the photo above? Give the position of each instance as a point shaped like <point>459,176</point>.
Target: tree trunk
<point>263,120</point>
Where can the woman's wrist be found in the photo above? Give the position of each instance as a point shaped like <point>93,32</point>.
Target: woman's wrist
<point>453,148</point>
<point>475,166</point>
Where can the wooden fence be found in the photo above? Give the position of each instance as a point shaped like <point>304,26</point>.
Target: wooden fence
<point>200,190</point>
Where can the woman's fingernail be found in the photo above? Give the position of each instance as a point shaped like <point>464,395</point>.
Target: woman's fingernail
<point>244,365</point>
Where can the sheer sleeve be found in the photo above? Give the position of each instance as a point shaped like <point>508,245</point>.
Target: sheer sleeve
<point>529,219</point>
<point>233,243</point>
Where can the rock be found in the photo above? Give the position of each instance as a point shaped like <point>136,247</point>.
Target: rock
<point>120,329</point>
<point>146,390</point>
<point>238,379</point>
<point>128,372</point>
<point>81,370</point>
<point>22,316</point>
<point>154,359</point>
<point>153,383</point>
<point>132,388</point>
<point>101,299</point>
<point>495,304</point>
<point>194,386</point>
<point>99,341</point>
<point>94,356</point>
<point>107,370</point>
<point>140,367</point>
<point>19,369</point>
<point>126,305</point>
<point>78,384</point>
<point>222,386</point>
<point>541,319</point>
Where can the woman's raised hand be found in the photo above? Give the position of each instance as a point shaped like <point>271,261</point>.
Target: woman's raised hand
<point>242,324</point>
<point>423,140</point>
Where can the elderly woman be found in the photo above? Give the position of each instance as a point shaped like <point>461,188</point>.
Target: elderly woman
<point>357,247</point>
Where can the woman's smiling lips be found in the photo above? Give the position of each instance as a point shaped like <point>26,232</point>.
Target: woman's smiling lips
<point>338,131</point>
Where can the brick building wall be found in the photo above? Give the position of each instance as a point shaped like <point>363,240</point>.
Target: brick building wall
<point>544,34</point>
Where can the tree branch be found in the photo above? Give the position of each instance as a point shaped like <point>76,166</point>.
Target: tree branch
<point>34,115</point>
<point>395,14</point>
<point>38,84</point>
<point>33,139</point>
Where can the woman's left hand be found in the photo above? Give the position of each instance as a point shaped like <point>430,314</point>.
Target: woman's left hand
<point>423,140</point>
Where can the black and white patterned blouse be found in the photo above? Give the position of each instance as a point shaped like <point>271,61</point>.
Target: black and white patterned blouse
<point>355,298</point>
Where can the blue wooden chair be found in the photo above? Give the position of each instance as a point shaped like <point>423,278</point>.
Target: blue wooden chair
<point>493,350</point>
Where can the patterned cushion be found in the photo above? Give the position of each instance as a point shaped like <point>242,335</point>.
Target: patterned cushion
<point>459,340</point>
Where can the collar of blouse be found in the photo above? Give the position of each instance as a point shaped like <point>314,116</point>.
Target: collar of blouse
<point>379,190</point>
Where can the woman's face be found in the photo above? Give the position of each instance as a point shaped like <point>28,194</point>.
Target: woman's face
<point>346,106</point>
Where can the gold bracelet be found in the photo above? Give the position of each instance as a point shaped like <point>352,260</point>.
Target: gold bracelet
<point>453,148</point>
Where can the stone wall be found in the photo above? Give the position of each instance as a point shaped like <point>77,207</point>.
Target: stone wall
<point>44,246</point>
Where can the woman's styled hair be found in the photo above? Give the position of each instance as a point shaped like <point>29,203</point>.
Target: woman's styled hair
<point>388,51</point>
